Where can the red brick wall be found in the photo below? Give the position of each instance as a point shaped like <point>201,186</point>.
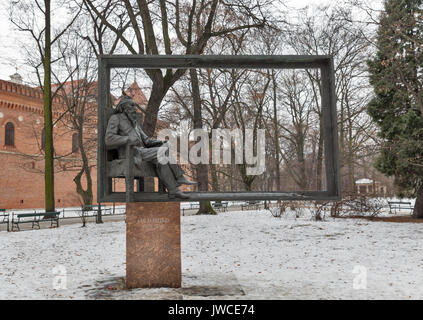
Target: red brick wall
<point>21,169</point>
<point>24,188</point>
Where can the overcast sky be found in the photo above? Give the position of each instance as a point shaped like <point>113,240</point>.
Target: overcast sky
<point>11,55</point>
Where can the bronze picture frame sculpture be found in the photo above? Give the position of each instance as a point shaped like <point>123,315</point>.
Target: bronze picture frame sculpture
<point>329,118</point>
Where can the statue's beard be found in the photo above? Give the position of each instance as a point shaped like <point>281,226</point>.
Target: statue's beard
<point>133,118</point>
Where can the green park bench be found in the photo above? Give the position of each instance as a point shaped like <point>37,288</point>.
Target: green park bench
<point>399,205</point>
<point>221,206</point>
<point>251,205</point>
<point>192,206</point>
<point>96,208</point>
<point>5,218</point>
<point>34,218</point>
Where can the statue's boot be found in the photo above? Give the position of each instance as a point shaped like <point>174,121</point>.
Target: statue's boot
<point>182,180</point>
<point>178,194</point>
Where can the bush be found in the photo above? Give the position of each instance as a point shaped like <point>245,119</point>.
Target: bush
<point>357,204</point>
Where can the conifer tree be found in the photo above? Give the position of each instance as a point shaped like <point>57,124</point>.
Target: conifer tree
<point>396,74</point>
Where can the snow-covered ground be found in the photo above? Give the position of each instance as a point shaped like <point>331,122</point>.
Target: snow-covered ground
<point>246,255</point>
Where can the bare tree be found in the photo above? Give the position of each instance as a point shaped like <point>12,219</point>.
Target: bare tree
<point>34,18</point>
<point>296,101</point>
<point>329,31</point>
<point>152,24</point>
<point>79,95</point>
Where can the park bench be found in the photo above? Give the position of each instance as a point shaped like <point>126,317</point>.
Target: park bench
<point>399,205</point>
<point>4,218</point>
<point>251,205</point>
<point>192,206</point>
<point>34,218</point>
<point>221,206</point>
<point>96,208</point>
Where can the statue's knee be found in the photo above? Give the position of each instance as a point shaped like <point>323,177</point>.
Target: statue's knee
<point>165,150</point>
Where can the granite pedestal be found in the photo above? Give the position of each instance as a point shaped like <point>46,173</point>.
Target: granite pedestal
<point>153,245</point>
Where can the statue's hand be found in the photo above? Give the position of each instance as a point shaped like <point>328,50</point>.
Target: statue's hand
<point>133,141</point>
<point>156,143</point>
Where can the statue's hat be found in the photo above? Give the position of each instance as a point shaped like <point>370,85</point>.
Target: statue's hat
<point>125,99</point>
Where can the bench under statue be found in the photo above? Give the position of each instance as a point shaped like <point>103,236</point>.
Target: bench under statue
<point>121,168</point>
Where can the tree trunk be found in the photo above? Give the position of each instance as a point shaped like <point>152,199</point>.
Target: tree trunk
<point>215,180</point>
<point>276,128</point>
<point>87,194</point>
<point>418,207</point>
<point>319,169</point>
<point>158,92</point>
<point>83,218</point>
<point>301,163</point>
<point>351,153</point>
<point>201,169</point>
<point>203,185</point>
<point>249,184</point>
<point>246,179</point>
<point>351,174</point>
<point>48,121</point>
<point>99,218</point>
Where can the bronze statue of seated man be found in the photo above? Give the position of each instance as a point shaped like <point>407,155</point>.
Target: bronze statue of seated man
<point>124,127</point>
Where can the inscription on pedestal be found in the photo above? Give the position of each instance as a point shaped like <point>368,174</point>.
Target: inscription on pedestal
<point>153,245</point>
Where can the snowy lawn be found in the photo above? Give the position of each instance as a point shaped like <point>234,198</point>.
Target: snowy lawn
<point>247,255</point>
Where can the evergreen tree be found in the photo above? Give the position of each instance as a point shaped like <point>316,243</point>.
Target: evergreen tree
<point>396,73</point>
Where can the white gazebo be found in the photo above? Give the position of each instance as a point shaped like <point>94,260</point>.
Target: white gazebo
<point>368,186</point>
